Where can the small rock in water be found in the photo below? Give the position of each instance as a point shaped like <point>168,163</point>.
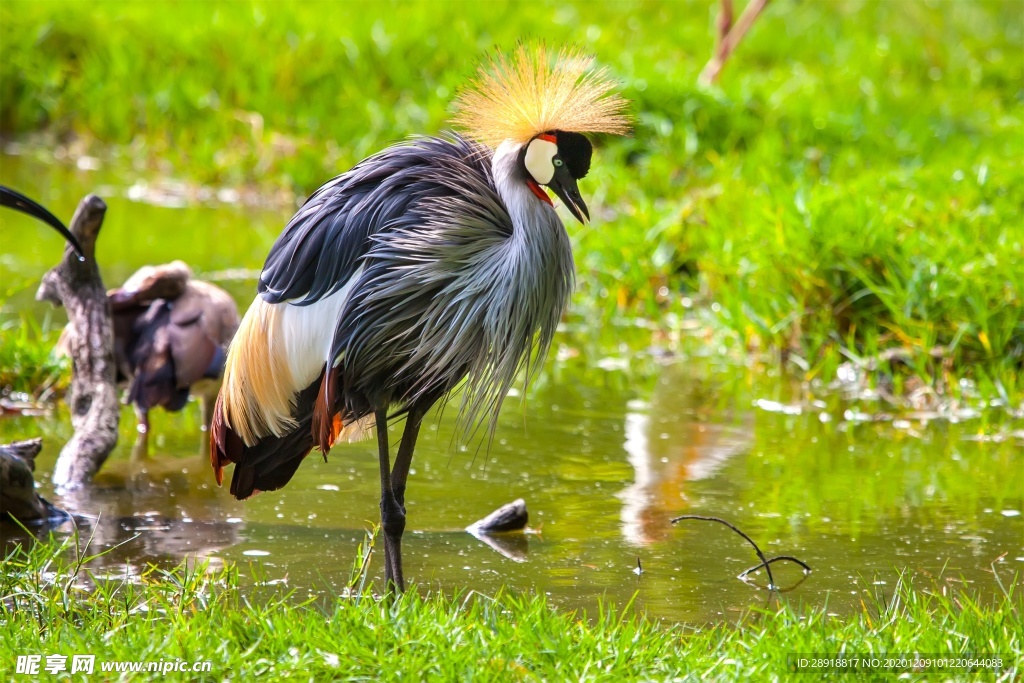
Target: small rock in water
<point>255,553</point>
<point>776,407</point>
<point>1011,513</point>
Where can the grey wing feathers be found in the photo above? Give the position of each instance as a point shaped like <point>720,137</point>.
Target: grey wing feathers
<point>323,244</point>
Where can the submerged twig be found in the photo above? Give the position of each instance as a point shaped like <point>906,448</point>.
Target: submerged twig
<point>765,562</point>
<point>788,558</point>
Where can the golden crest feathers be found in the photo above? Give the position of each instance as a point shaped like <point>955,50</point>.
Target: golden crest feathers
<point>520,97</point>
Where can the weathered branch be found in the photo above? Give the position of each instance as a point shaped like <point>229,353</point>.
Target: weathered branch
<point>723,26</point>
<point>77,285</point>
<point>729,36</point>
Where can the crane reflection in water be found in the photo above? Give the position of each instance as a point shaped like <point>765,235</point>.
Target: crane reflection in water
<point>671,441</point>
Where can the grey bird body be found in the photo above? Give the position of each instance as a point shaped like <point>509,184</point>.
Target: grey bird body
<point>459,286</point>
<point>432,271</point>
<point>435,263</point>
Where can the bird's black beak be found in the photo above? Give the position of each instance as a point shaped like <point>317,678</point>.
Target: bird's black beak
<point>15,200</point>
<point>564,185</point>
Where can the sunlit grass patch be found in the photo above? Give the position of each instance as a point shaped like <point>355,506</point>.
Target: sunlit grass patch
<point>194,612</point>
<point>28,364</point>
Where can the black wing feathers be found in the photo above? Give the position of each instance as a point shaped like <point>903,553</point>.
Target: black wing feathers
<point>272,462</point>
<point>322,245</point>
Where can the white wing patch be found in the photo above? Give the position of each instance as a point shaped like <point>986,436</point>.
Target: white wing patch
<point>278,351</point>
<point>307,333</point>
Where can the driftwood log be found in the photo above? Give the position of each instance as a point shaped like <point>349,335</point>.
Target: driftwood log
<point>18,497</point>
<point>509,517</point>
<point>494,530</point>
<point>92,398</point>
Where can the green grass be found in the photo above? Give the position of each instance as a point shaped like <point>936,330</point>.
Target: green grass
<point>27,361</point>
<point>194,613</point>
<point>854,184</point>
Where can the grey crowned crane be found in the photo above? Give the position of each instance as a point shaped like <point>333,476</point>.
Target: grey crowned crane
<point>438,261</point>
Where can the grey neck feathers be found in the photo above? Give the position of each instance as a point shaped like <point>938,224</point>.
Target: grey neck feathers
<point>529,214</point>
<point>530,277</point>
<point>537,273</point>
<point>495,296</point>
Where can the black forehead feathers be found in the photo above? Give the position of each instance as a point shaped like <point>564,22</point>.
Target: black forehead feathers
<point>575,150</point>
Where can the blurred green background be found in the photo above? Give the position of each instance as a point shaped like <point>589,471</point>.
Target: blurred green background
<point>853,183</point>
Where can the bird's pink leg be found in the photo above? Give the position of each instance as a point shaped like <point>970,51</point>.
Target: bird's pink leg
<point>142,417</point>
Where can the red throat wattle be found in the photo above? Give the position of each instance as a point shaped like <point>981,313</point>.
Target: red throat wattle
<point>539,191</point>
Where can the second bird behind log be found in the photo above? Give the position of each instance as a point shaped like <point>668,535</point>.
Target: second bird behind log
<point>170,339</point>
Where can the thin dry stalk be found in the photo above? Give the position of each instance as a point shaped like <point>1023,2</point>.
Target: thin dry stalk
<point>729,36</point>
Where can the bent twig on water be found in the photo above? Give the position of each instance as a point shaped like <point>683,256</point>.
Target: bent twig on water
<point>789,558</point>
<point>765,562</point>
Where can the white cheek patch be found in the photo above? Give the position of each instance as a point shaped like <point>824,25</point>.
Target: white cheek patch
<point>538,160</point>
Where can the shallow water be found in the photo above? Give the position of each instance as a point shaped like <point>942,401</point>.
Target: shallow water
<point>626,428</point>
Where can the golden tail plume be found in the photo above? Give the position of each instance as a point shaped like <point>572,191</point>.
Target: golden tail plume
<point>258,392</point>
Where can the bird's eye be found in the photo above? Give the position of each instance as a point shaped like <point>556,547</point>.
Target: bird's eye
<point>558,162</point>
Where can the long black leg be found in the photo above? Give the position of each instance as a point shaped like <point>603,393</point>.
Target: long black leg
<point>404,458</point>
<point>392,516</point>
